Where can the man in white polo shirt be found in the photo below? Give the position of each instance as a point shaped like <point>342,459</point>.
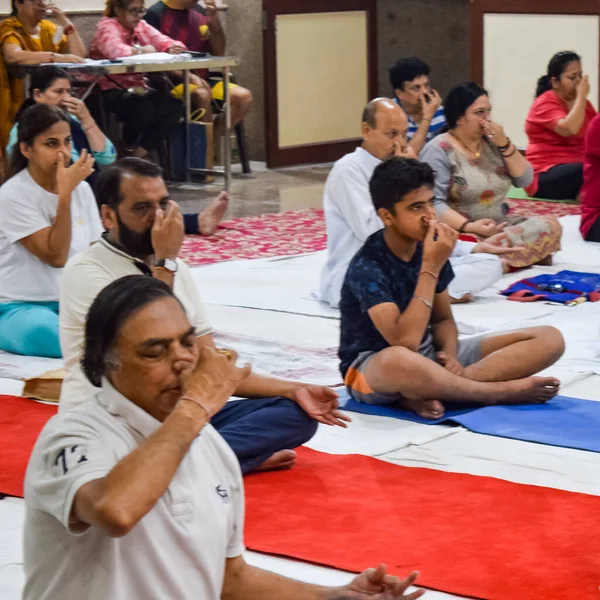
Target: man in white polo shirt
<point>350,217</point>
<point>144,232</point>
<point>134,494</point>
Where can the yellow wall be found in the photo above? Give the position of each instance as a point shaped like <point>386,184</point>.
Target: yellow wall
<point>321,76</point>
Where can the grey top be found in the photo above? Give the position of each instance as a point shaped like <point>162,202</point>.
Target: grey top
<point>476,188</point>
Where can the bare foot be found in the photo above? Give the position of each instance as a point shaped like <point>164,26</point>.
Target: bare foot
<point>209,218</point>
<point>428,409</point>
<point>464,300</point>
<point>531,390</point>
<point>284,459</point>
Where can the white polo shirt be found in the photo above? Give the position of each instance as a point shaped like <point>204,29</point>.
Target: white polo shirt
<point>25,209</point>
<point>177,551</point>
<point>84,277</point>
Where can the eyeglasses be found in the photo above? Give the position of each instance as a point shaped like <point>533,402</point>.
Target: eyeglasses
<point>137,11</point>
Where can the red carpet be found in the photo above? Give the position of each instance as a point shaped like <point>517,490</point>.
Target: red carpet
<point>299,232</point>
<point>528,208</point>
<point>472,536</point>
<point>280,234</point>
<point>21,421</point>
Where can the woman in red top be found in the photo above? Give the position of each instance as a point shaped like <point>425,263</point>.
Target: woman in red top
<point>556,128</point>
<point>590,192</point>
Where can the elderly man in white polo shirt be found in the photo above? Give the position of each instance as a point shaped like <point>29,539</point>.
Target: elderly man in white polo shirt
<point>134,494</point>
<point>350,217</point>
<point>144,232</point>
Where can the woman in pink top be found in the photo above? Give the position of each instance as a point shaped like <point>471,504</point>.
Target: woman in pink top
<point>590,192</point>
<point>148,115</point>
<point>556,128</point>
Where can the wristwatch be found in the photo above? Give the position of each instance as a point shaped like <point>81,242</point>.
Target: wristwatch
<point>167,263</point>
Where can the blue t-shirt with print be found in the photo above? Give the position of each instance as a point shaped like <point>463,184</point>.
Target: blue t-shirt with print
<point>376,275</point>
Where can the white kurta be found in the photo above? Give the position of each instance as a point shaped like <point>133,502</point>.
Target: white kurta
<point>351,218</point>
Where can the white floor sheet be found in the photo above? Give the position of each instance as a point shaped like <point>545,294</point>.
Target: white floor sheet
<point>266,310</point>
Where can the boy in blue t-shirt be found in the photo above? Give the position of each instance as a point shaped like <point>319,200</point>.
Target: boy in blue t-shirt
<point>399,342</point>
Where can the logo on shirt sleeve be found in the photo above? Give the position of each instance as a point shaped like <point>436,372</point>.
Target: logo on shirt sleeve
<point>68,458</point>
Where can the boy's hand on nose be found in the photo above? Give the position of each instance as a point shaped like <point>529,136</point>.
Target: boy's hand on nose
<point>438,245</point>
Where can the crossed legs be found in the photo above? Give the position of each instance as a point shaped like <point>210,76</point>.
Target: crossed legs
<point>502,376</point>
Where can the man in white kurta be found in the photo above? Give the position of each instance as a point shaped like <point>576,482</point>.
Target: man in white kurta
<point>351,218</point>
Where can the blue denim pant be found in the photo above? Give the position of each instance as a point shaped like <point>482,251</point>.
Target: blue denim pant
<point>30,328</point>
<point>257,428</point>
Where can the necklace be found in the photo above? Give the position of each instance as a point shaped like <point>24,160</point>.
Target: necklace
<point>475,153</point>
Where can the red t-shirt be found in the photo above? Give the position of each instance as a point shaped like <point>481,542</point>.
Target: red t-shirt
<point>547,148</point>
<point>590,192</point>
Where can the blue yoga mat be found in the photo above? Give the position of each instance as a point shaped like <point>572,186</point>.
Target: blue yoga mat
<point>564,422</point>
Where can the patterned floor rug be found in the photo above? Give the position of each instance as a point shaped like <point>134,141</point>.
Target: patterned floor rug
<point>298,232</point>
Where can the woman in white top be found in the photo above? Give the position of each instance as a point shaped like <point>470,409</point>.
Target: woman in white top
<point>47,214</point>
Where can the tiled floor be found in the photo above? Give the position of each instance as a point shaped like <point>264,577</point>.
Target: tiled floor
<point>261,192</point>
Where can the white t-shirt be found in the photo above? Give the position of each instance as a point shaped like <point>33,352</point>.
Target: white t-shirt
<point>25,208</point>
<point>178,550</point>
<point>85,276</point>
<point>350,219</point>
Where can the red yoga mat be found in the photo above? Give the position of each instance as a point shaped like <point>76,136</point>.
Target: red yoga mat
<point>21,421</point>
<point>472,536</point>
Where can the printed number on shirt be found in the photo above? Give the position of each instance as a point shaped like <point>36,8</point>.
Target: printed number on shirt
<point>68,458</point>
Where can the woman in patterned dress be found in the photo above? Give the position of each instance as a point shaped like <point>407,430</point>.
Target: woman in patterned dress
<point>475,165</point>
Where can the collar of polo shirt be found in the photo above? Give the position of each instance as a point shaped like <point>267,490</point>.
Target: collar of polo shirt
<point>116,404</point>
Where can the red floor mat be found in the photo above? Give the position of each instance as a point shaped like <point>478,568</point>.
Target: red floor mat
<point>299,232</point>
<point>21,421</point>
<point>472,536</point>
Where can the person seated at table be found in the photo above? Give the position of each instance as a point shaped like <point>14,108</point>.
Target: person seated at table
<point>144,231</point>
<point>48,213</point>
<point>136,488</point>
<point>350,217</point>
<point>148,115</point>
<point>475,164</point>
<point>51,85</point>
<point>409,78</point>
<point>28,38</point>
<point>590,191</point>
<point>399,341</point>
<point>200,29</point>
<point>556,127</point>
